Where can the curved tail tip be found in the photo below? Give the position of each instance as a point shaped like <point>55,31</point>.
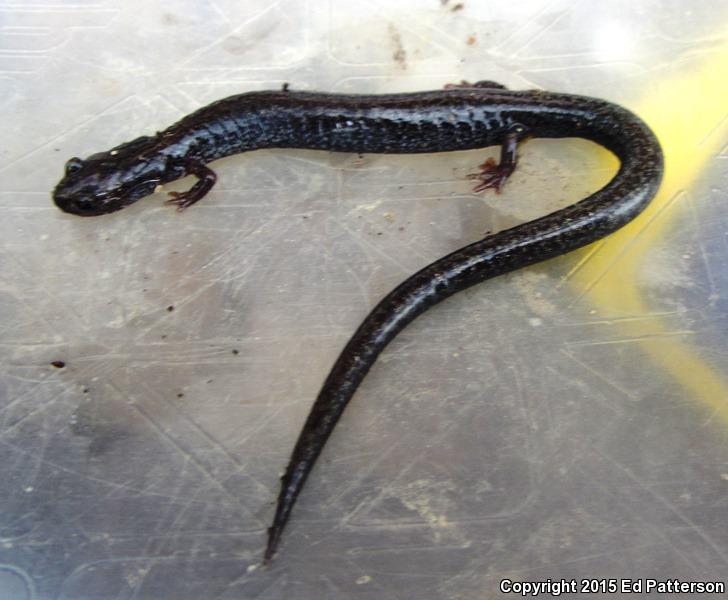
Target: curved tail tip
<point>274,535</point>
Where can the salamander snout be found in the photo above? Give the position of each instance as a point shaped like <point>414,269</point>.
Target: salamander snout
<point>77,205</point>
<point>84,196</point>
<point>97,186</point>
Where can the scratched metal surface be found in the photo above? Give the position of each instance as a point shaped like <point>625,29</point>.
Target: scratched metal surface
<point>567,421</point>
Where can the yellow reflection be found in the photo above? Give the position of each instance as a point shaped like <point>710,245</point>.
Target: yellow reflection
<point>688,112</point>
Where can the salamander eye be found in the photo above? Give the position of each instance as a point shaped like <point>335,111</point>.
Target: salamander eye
<point>73,165</point>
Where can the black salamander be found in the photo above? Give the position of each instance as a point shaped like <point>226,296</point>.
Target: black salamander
<point>459,117</point>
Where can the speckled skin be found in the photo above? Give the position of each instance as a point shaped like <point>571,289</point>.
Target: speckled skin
<point>452,119</point>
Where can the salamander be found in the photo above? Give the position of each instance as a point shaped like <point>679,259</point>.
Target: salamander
<point>460,117</point>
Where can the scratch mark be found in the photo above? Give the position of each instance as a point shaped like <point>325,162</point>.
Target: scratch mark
<point>80,475</point>
<point>364,243</point>
<point>66,133</point>
<point>699,531</point>
<point>234,498</point>
<point>24,576</point>
<point>221,39</point>
<point>611,382</point>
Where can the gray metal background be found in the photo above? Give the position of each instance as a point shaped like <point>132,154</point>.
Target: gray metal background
<point>566,421</point>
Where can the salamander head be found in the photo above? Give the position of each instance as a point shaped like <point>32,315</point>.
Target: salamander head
<point>109,181</point>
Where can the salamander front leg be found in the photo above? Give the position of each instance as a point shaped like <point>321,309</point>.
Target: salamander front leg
<point>206,179</point>
<point>494,175</point>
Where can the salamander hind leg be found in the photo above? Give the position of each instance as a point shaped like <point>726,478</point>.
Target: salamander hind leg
<point>495,174</point>
<point>206,179</point>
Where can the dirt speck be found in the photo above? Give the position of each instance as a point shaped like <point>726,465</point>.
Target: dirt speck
<point>399,54</point>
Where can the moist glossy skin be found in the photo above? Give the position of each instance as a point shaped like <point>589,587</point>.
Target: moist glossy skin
<point>451,119</point>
